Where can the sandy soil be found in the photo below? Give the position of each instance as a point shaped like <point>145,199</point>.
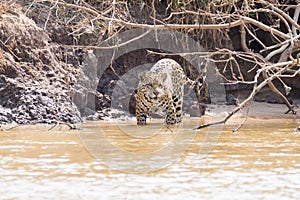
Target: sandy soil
<point>259,112</point>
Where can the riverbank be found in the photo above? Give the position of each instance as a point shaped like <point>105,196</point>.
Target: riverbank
<point>45,79</point>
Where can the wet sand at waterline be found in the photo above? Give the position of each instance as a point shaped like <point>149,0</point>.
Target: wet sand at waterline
<point>117,160</point>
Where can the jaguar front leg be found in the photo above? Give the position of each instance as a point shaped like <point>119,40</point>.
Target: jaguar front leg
<point>177,104</point>
<point>141,119</point>
<point>141,114</point>
<point>171,114</point>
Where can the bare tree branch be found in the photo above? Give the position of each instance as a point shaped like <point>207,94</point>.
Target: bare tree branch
<point>247,101</point>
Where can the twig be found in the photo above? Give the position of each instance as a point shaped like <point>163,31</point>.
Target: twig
<point>71,126</point>
<point>295,19</point>
<point>280,44</point>
<point>244,120</point>
<point>49,14</point>
<point>110,29</point>
<point>278,93</point>
<point>154,20</point>
<point>277,51</point>
<point>10,128</point>
<point>14,55</point>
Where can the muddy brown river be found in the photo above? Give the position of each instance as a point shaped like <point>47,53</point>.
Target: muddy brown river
<point>118,160</point>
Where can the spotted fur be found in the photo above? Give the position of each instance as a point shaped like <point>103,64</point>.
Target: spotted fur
<point>162,88</point>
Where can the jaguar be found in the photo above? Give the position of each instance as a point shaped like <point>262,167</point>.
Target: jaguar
<point>162,88</point>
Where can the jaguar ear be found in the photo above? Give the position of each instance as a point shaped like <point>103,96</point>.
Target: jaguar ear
<point>164,76</point>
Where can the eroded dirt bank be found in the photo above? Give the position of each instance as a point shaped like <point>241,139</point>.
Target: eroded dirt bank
<point>36,74</point>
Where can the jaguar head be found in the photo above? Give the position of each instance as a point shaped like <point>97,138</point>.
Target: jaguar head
<point>153,84</point>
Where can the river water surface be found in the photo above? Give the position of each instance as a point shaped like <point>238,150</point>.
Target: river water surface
<point>261,161</point>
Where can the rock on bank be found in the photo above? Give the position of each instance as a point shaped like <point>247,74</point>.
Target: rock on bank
<point>36,74</point>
